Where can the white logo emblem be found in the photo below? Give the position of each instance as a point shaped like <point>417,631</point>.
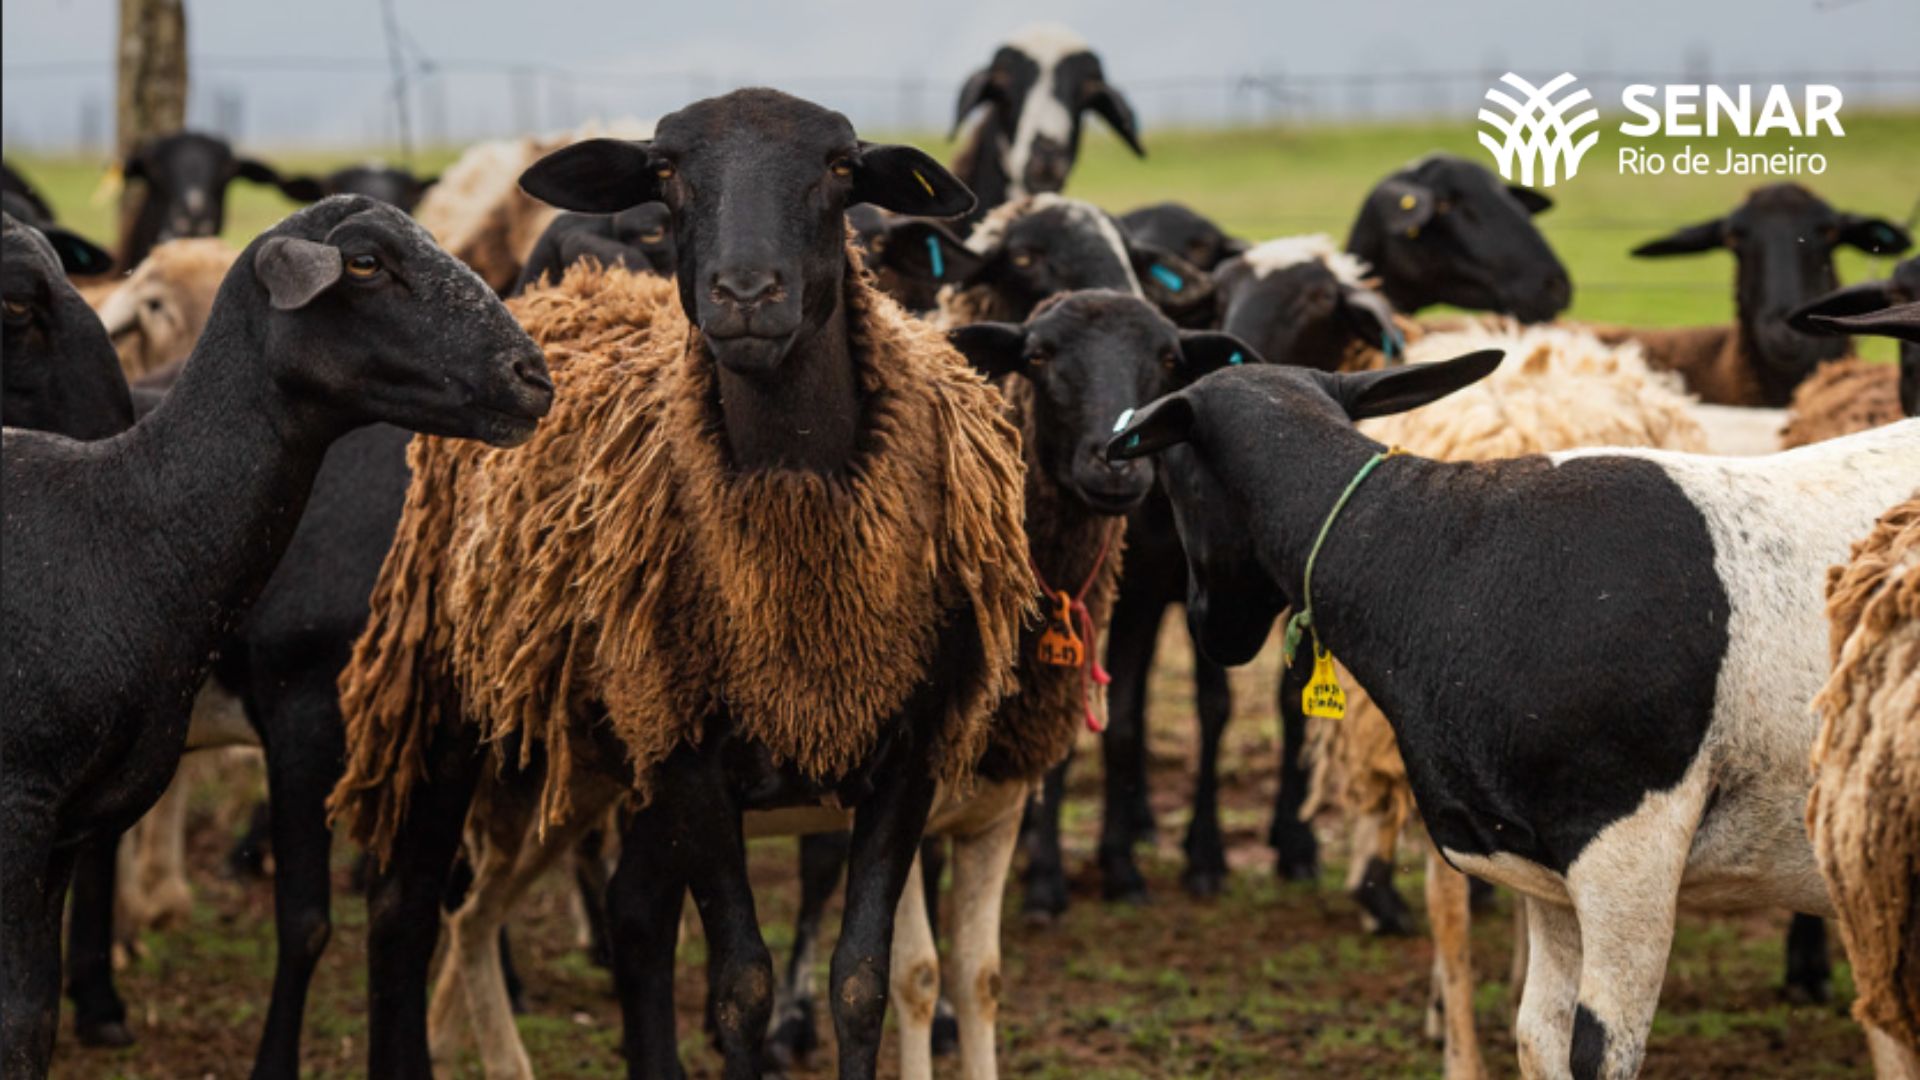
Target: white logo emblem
<point>1538,133</point>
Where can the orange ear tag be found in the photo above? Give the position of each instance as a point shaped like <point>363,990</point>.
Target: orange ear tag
<point>1323,696</point>
<point>1060,643</point>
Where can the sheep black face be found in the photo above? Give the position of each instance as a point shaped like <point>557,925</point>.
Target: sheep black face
<point>1233,595</point>
<point>1782,239</point>
<point>1039,85</point>
<point>187,176</point>
<point>758,184</point>
<point>60,372</point>
<point>640,239</point>
<point>1445,230</point>
<point>369,317</point>
<point>1179,229</point>
<point>1298,310</point>
<point>396,187</point>
<point>1093,358</point>
<point>1059,244</point>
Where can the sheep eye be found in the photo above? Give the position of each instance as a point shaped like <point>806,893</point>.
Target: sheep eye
<point>18,311</point>
<point>664,170</point>
<point>653,237</point>
<point>1169,359</point>
<point>1022,259</point>
<point>843,168</point>
<point>1039,356</point>
<point>363,266</point>
<point>1442,206</point>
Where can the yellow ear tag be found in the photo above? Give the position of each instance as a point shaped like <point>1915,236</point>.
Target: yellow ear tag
<point>1060,644</point>
<point>923,181</point>
<point>111,183</point>
<point>1323,696</point>
<point>1407,202</point>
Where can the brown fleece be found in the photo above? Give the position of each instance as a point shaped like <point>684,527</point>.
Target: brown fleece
<point>1840,398</point>
<point>1711,359</point>
<point>1864,810</point>
<point>619,560</point>
<point>1035,727</point>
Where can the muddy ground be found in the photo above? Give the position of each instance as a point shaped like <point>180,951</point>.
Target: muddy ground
<point>1268,980</point>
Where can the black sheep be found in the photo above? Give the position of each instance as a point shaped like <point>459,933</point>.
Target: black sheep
<point>341,316</point>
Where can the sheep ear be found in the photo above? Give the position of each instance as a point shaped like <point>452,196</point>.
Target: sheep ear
<point>1152,428</point>
<point>907,181</point>
<point>1875,236</point>
<point>1401,206</point>
<point>993,348</point>
<point>929,251</point>
<point>1810,317</point>
<point>1203,352</point>
<point>303,188</point>
<point>1397,389</point>
<point>1901,321</point>
<point>1533,201</point>
<point>978,90</point>
<point>594,176</point>
<point>1170,282</point>
<point>295,270</point>
<point>1371,318</point>
<point>255,172</point>
<point>1691,240</point>
<point>1113,108</point>
<point>78,255</point>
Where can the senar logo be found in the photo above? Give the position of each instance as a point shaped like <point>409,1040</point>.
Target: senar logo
<point>1536,131</point>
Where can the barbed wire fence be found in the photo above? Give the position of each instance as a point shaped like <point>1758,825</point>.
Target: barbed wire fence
<point>411,99</point>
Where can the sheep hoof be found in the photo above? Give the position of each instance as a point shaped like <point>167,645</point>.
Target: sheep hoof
<point>1046,897</point>
<point>794,1038</point>
<point>946,1034</point>
<point>1203,884</point>
<point>105,1034</point>
<point>1307,870</point>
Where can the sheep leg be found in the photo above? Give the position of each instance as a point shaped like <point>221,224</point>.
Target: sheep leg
<point>1517,966</point>
<point>1126,819</point>
<point>307,748</point>
<point>823,860</point>
<point>915,976</point>
<point>1046,866</point>
<point>933,864</point>
<point>1892,1059</point>
<point>1370,878</point>
<point>886,838</point>
<point>158,892</point>
<point>590,874</point>
<point>35,889</point>
<point>1544,1029</point>
<point>1296,849</point>
<point>643,916</point>
<point>1206,850</point>
<point>99,1016</point>
<point>403,903</point>
<point>1448,912</point>
<point>1809,967</point>
<point>981,861</point>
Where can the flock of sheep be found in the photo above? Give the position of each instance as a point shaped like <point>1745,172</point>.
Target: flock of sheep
<point>806,486</point>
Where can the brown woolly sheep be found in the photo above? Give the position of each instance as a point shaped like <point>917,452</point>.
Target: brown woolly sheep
<point>1864,812</point>
<point>477,211</point>
<point>1559,389</point>
<point>155,315</point>
<point>1840,398</point>
<point>768,557</point>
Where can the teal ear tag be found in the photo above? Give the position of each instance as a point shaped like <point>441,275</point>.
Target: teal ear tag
<point>1167,277</point>
<point>1235,359</point>
<point>934,255</point>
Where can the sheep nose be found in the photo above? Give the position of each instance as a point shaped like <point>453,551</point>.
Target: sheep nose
<point>745,288</point>
<point>532,370</point>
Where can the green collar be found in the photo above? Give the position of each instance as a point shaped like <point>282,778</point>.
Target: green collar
<point>1303,619</point>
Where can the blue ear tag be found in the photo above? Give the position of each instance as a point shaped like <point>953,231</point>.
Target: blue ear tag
<point>1386,343</point>
<point>1126,417</point>
<point>1167,277</point>
<point>1133,442</point>
<point>933,253</point>
<point>1235,358</point>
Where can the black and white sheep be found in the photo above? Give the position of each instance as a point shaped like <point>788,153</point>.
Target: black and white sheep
<point>1597,662</point>
<point>109,630</point>
<point>1035,91</point>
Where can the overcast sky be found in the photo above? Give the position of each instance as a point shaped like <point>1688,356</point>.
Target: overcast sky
<point>258,62</point>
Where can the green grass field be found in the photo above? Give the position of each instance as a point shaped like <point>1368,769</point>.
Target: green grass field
<point>1276,181</point>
